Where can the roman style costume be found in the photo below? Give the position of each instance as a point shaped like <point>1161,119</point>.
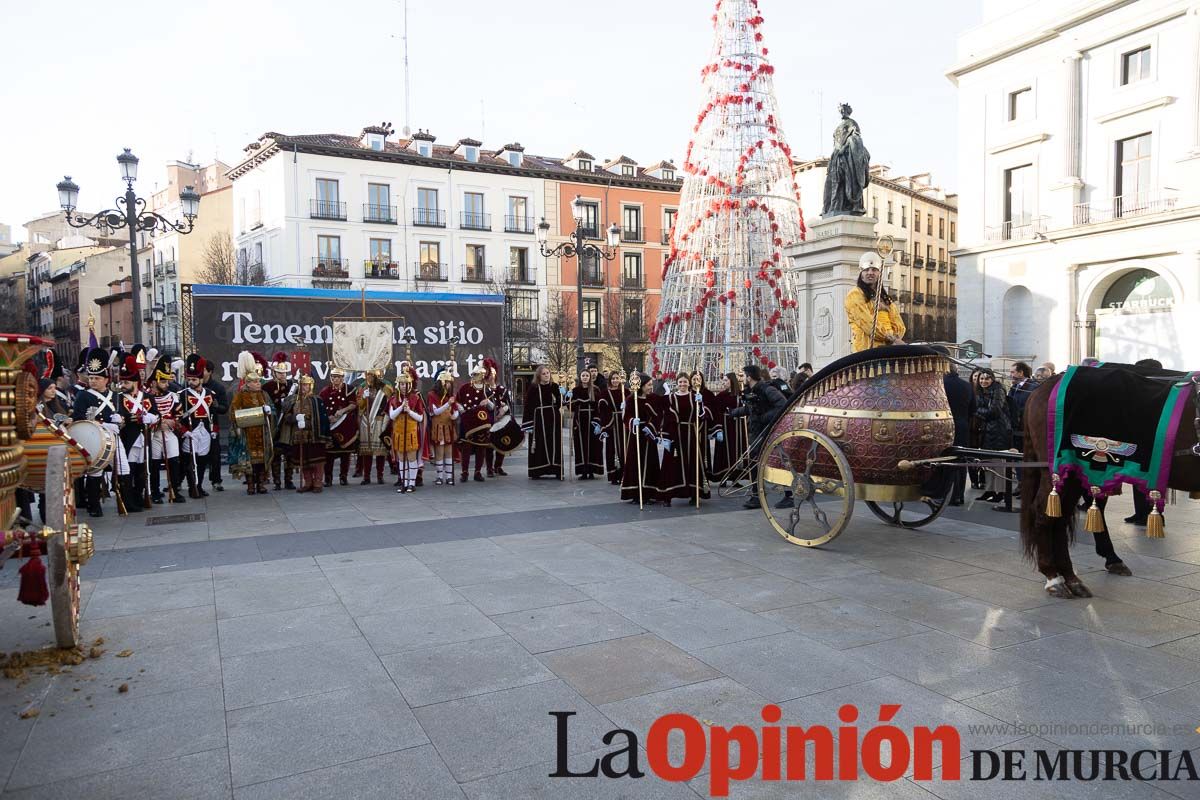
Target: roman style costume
<point>278,389</point>
<point>443,425</point>
<point>251,445</point>
<point>372,400</point>
<point>342,411</point>
<point>407,413</point>
<point>542,421</point>
<point>304,428</point>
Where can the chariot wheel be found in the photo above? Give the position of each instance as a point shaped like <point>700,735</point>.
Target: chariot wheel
<point>913,513</point>
<point>814,469</point>
<point>63,569</point>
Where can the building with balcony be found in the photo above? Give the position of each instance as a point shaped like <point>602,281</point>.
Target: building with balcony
<point>1079,152</point>
<point>922,218</point>
<point>373,209</point>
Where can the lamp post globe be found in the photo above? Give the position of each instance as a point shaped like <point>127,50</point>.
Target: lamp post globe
<point>543,231</point>
<point>577,209</point>
<point>68,194</point>
<point>129,166</point>
<point>190,200</point>
<point>614,235</point>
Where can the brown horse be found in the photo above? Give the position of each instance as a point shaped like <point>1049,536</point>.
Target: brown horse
<point>1046,540</point>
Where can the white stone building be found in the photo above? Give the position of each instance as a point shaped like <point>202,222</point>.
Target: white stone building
<point>337,211</point>
<point>1079,164</point>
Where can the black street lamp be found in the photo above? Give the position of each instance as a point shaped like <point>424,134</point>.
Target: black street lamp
<point>575,246</point>
<point>130,213</point>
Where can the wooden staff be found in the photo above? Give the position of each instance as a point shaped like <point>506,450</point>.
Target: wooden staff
<point>635,386</point>
<point>696,405</point>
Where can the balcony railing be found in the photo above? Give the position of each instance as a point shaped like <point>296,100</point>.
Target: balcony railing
<point>637,234</point>
<point>942,266</point>
<point>666,236</point>
<point>377,269</point>
<point>385,215</point>
<point>429,217</point>
<point>634,331</point>
<point>590,233</point>
<point>474,221</point>
<point>61,305</point>
<point>953,302</point>
<point>918,261</point>
<point>591,333</point>
<point>931,264</point>
<point>1124,207</point>
<point>474,274</point>
<point>905,296</point>
<point>326,209</point>
<point>172,309</point>
<point>632,281</point>
<point>147,279</point>
<point>941,302</point>
<point>429,271</point>
<point>905,259</point>
<point>169,267</point>
<point>323,267</point>
<point>953,266</point>
<point>593,278</point>
<point>147,315</point>
<point>518,224</point>
<point>1016,230</point>
<point>918,298</point>
<point>524,277</point>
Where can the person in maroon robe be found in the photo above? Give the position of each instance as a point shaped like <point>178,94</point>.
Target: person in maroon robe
<point>542,421</point>
<point>639,448</point>
<point>585,428</point>
<point>610,412</point>
<point>729,432</point>
<point>683,415</point>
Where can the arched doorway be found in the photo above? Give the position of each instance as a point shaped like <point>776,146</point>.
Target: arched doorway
<point>1018,327</point>
<point>1135,318</point>
<point>1138,290</point>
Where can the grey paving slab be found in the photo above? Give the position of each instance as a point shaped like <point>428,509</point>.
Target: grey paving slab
<point>417,772</point>
<point>976,621</point>
<point>486,569</point>
<point>425,627</point>
<point>919,566</point>
<point>304,543</point>
<point>519,594</point>
<point>720,701</point>
<point>811,666</point>
<point>556,627</point>
<point>951,666</point>
<point>146,671</point>
<point>452,671</point>
<point>643,594</point>
<point>158,629</point>
<point>1158,569</point>
<point>613,670</point>
<point>381,589</point>
<point>887,592</point>
<point>359,558</point>
<point>1072,713</point>
<point>280,629</point>
<point>329,520</point>
<point>119,600</point>
<point>260,594</point>
<point>999,589</point>
<point>1134,671</point>
<point>649,547</point>
<point>533,783</point>
<point>198,776</point>
<point>280,739</point>
<point>763,592</point>
<point>695,626</point>
<point>282,566</point>
<point>1188,647</point>
<point>456,550</point>
<point>284,674</point>
<point>116,735</point>
<point>841,624</point>
<point>1120,621</point>
<point>1141,592</point>
<point>499,732</point>
<point>702,567</point>
<point>368,537</point>
<point>585,563</point>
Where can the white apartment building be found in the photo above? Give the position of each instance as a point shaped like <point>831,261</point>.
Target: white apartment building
<point>1079,163</point>
<point>333,211</point>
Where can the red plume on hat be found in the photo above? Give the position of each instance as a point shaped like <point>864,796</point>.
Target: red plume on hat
<point>412,374</point>
<point>131,370</point>
<point>49,371</point>
<point>493,369</point>
<point>280,362</point>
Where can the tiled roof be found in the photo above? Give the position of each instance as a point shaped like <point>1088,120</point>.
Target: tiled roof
<point>620,160</point>
<point>580,154</point>
<point>531,165</point>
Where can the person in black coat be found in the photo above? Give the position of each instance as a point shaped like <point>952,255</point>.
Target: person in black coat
<point>762,403</point>
<point>220,408</point>
<point>995,429</point>
<point>962,409</point>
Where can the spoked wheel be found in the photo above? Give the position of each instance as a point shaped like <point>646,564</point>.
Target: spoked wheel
<point>913,513</point>
<point>813,468</point>
<point>66,549</point>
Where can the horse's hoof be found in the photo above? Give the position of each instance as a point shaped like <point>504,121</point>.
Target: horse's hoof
<point>1057,587</point>
<point>1119,568</point>
<point>1076,587</point>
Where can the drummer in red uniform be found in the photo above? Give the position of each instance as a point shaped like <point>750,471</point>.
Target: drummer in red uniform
<point>342,410</point>
<point>476,421</point>
<point>499,395</point>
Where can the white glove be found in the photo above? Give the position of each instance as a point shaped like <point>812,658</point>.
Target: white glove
<point>267,408</point>
<point>622,406</point>
<point>115,419</point>
<point>149,419</point>
<point>110,426</point>
<point>489,404</point>
<point>300,421</point>
<point>720,436</point>
<point>604,436</point>
<point>596,428</point>
<point>699,397</point>
<point>366,391</point>
<point>186,434</point>
<point>665,443</point>
<point>635,422</point>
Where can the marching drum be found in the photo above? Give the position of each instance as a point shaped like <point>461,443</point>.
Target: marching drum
<point>98,443</point>
<point>47,434</point>
<point>250,417</point>
<point>475,422</point>
<point>506,435</point>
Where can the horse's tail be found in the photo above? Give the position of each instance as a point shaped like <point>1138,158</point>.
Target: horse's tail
<point>1031,500</point>
<point>1035,481</point>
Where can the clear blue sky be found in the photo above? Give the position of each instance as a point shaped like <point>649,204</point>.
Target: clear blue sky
<point>614,77</point>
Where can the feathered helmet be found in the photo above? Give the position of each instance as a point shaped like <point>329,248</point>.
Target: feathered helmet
<point>280,364</point>
<point>479,369</point>
<point>337,372</point>
<point>53,370</point>
<point>150,362</point>
<point>407,374</point>
<point>445,376</point>
<point>249,366</point>
<point>195,366</point>
<point>131,370</point>
<point>493,369</point>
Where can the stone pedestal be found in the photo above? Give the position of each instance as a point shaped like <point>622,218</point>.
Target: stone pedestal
<point>826,269</point>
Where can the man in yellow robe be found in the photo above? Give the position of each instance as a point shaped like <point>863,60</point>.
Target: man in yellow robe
<point>863,314</point>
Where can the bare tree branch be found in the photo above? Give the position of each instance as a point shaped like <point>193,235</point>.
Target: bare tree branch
<point>224,265</point>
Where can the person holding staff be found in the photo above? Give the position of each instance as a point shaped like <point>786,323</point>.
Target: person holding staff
<point>407,413</point>
<point>875,320</point>
<point>251,446</point>
<point>443,426</point>
<point>542,421</point>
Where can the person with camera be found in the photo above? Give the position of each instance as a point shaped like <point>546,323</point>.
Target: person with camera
<point>761,404</point>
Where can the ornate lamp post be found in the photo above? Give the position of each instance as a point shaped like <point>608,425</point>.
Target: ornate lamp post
<point>130,213</point>
<point>576,246</point>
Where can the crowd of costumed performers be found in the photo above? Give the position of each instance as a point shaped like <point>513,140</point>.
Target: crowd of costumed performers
<point>655,441</point>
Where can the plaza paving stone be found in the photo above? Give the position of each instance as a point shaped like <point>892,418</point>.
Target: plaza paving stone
<point>363,644</point>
